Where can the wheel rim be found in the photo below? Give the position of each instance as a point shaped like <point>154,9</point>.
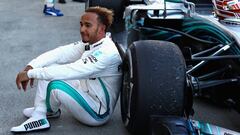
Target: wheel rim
<point>125,99</point>
<point>127,92</point>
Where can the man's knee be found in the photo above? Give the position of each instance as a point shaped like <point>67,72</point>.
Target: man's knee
<point>53,84</point>
<point>50,88</point>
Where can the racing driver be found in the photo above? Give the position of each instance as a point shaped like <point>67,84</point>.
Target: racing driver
<point>84,76</point>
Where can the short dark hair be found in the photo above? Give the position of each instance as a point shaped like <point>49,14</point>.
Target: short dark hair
<point>105,16</point>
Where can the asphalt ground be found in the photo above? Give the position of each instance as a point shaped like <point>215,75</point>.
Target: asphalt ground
<point>25,33</point>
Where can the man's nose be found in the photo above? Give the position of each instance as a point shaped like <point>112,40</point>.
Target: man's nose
<point>82,28</point>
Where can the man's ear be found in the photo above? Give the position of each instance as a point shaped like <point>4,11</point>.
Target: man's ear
<point>103,28</point>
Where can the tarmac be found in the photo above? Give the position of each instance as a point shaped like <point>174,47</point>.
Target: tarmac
<point>25,32</point>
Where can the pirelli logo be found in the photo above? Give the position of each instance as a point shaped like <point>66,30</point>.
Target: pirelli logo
<point>35,124</point>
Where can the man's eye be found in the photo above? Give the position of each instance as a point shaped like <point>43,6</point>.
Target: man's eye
<point>88,25</point>
<point>81,24</point>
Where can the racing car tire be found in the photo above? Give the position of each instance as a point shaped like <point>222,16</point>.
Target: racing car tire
<point>117,6</point>
<point>154,80</point>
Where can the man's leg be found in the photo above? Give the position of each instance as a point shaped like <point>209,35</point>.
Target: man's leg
<point>38,120</point>
<point>49,9</point>
<point>78,102</point>
<point>49,3</point>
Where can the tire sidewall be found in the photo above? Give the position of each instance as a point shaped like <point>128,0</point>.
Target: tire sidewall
<point>145,100</point>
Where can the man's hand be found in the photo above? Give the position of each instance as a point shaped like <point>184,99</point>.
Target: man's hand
<point>22,78</point>
<point>24,84</point>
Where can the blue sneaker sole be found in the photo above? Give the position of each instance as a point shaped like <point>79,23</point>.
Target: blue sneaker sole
<point>48,14</point>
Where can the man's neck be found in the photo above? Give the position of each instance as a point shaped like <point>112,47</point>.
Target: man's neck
<point>99,39</point>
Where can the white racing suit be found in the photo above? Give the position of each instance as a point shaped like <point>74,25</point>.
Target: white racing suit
<point>86,82</point>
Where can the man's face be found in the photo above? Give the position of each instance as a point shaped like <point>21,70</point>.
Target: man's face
<point>91,29</point>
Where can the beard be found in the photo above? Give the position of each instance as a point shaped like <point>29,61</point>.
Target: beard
<point>85,38</point>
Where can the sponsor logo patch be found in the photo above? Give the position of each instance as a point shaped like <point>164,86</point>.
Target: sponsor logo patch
<point>97,53</point>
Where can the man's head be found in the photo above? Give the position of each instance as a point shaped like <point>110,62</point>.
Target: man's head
<point>94,23</point>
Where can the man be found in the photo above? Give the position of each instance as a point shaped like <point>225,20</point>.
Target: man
<point>83,77</point>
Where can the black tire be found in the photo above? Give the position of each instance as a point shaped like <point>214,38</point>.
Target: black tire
<point>153,83</point>
<point>117,6</point>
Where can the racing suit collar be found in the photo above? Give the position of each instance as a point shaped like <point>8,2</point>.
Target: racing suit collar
<point>90,46</point>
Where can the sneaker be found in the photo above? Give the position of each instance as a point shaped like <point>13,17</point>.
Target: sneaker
<point>52,11</point>
<point>32,124</point>
<point>45,7</point>
<point>28,113</point>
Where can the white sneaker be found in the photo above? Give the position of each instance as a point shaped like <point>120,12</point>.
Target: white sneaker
<point>32,124</point>
<point>28,113</point>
